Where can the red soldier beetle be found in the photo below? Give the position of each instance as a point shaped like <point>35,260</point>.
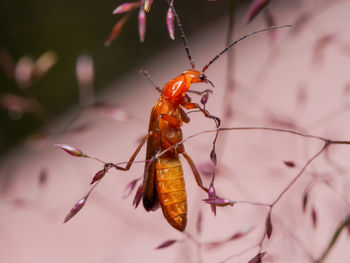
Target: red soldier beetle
<point>163,182</point>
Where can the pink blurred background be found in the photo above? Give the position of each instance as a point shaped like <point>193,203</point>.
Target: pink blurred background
<point>298,82</point>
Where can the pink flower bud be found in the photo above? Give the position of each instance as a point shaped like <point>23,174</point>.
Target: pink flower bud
<point>116,30</point>
<point>257,258</point>
<point>71,150</point>
<point>125,7</point>
<point>170,23</point>
<point>142,24</point>
<point>268,225</point>
<point>98,176</point>
<point>211,194</point>
<point>147,5</point>
<point>255,8</point>
<point>167,243</point>
<point>76,208</point>
<point>138,195</point>
<point>129,188</point>
<point>23,72</point>
<point>213,157</point>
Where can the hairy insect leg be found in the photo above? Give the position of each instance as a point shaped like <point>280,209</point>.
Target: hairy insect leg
<point>204,95</point>
<point>191,105</point>
<point>184,115</point>
<point>148,76</point>
<point>200,93</point>
<point>195,172</point>
<point>128,165</point>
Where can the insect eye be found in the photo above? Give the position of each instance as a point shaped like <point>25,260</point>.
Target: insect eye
<point>202,77</point>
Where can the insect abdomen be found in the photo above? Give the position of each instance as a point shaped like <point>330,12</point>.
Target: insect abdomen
<point>171,191</point>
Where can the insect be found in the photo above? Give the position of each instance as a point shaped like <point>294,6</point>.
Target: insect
<point>163,182</point>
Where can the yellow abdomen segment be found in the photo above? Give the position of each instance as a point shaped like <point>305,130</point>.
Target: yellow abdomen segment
<point>171,191</point>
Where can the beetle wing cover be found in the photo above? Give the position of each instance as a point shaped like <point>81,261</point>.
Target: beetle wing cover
<point>150,198</point>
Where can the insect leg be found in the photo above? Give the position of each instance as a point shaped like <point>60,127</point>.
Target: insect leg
<point>128,165</point>
<point>173,121</point>
<point>195,172</point>
<point>148,76</point>
<point>170,132</point>
<point>191,105</point>
<point>184,115</point>
<point>200,93</point>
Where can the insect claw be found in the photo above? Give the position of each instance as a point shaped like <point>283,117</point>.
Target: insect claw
<point>218,120</point>
<point>211,83</point>
<point>207,91</point>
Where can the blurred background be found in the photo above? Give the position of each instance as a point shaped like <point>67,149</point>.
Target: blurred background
<point>59,84</point>
<point>68,30</point>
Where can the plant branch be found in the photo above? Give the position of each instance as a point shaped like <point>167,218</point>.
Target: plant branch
<point>341,227</point>
<point>326,144</point>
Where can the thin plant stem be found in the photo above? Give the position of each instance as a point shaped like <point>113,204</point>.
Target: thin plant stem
<point>301,172</point>
<point>229,87</point>
<point>326,144</point>
<point>333,240</point>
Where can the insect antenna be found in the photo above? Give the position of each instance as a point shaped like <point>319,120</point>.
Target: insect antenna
<point>240,39</point>
<point>182,33</point>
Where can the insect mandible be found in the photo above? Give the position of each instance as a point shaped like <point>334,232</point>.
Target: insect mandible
<point>163,182</point>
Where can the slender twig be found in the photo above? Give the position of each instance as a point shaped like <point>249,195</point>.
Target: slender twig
<point>340,228</point>
<point>238,254</point>
<point>292,234</point>
<point>326,144</point>
<point>280,130</point>
<point>229,87</point>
